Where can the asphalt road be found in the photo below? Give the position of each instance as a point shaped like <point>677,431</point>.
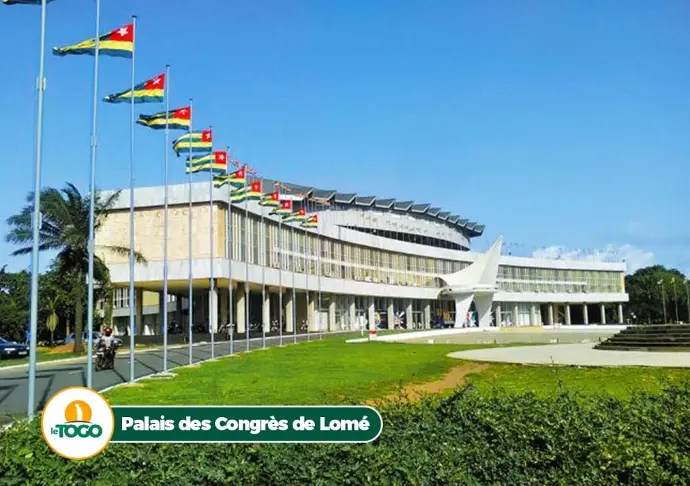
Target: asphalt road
<point>54,376</point>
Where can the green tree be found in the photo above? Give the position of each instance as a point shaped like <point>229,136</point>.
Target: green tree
<point>65,229</point>
<point>14,304</point>
<point>652,288</point>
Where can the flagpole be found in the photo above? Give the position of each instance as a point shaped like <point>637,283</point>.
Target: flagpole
<point>229,233</point>
<point>307,261</point>
<point>246,260</point>
<point>212,304</point>
<point>131,213</point>
<point>92,203</point>
<point>178,302</point>
<point>190,304</point>
<point>262,260</point>
<point>280,276</point>
<point>36,222</point>
<point>294,290</point>
<point>318,270</point>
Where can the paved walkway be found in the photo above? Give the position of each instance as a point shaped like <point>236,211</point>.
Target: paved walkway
<point>53,376</point>
<point>576,354</point>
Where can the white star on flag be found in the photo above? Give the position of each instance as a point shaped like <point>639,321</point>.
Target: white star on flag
<point>183,111</point>
<point>123,31</point>
<point>221,157</point>
<point>156,80</point>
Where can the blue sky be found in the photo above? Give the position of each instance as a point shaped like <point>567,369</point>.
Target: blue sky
<point>557,124</point>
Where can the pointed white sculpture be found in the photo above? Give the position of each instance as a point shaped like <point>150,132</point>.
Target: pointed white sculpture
<point>476,282</point>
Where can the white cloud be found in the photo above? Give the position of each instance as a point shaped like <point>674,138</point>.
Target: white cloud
<point>635,258</point>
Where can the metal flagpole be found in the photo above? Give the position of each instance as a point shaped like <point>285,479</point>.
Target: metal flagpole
<point>318,270</point>
<point>262,260</point>
<point>92,202</point>
<point>212,304</point>
<point>190,303</point>
<point>230,241</point>
<point>280,277</point>
<point>131,213</point>
<point>307,264</point>
<point>294,290</point>
<point>246,260</point>
<point>178,302</point>
<point>36,221</point>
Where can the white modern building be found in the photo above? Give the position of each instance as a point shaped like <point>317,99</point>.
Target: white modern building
<point>372,261</point>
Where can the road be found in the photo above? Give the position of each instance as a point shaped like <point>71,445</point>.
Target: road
<point>54,376</point>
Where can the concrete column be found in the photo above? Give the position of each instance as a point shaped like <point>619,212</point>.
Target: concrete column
<point>312,321</point>
<point>287,299</point>
<point>391,314</point>
<point>567,314</point>
<point>178,310</point>
<point>550,323</point>
<point>603,314</point>
<point>585,314</point>
<point>139,311</point>
<point>427,315</point>
<point>266,311</point>
<point>213,310</point>
<point>224,304</point>
<point>516,314</point>
<point>240,303</point>
<point>352,311</point>
<point>408,314</point>
<point>371,314</point>
<point>497,311</point>
<point>331,314</point>
<point>533,315</point>
<point>620,313</point>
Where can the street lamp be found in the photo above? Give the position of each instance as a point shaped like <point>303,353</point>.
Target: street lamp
<point>675,297</point>
<point>663,298</point>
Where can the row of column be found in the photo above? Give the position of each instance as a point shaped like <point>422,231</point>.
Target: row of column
<point>551,320</point>
<point>312,314</point>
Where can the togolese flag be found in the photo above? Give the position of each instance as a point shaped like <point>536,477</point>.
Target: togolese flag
<point>284,209</point>
<point>311,222</point>
<point>238,178</point>
<point>271,199</point>
<point>177,119</point>
<point>221,180</point>
<point>217,162</point>
<point>151,91</point>
<point>251,192</point>
<point>300,215</point>
<point>24,2</point>
<point>117,43</point>
<point>195,142</point>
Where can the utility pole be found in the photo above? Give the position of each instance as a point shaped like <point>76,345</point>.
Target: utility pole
<point>663,298</point>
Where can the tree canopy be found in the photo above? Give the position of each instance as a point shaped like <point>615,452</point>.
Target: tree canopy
<point>652,288</point>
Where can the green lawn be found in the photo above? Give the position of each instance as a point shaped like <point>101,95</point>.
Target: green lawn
<point>546,380</point>
<point>331,372</point>
<point>320,372</point>
<point>40,356</point>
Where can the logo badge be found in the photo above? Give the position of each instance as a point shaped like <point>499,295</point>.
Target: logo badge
<point>77,423</point>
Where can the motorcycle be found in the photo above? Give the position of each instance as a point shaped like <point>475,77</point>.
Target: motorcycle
<point>105,358</point>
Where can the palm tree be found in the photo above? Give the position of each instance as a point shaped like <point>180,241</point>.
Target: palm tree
<point>65,229</point>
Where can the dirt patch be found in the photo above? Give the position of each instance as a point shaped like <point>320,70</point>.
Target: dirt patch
<point>456,376</point>
<point>64,348</point>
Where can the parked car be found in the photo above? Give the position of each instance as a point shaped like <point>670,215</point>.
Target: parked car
<point>9,349</point>
<point>96,337</point>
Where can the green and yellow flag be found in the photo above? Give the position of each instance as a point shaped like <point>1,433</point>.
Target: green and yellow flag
<point>117,43</point>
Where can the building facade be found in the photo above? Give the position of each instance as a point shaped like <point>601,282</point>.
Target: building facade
<point>370,262</point>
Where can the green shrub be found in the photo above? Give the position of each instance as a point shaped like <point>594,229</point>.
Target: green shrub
<point>464,438</point>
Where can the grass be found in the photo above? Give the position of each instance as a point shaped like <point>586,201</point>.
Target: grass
<point>547,380</point>
<point>41,355</point>
<point>321,372</point>
<point>332,372</point>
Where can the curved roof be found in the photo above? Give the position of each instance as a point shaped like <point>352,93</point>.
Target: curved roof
<point>471,228</point>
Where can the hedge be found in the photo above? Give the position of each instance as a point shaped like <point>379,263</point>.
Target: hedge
<point>463,439</point>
